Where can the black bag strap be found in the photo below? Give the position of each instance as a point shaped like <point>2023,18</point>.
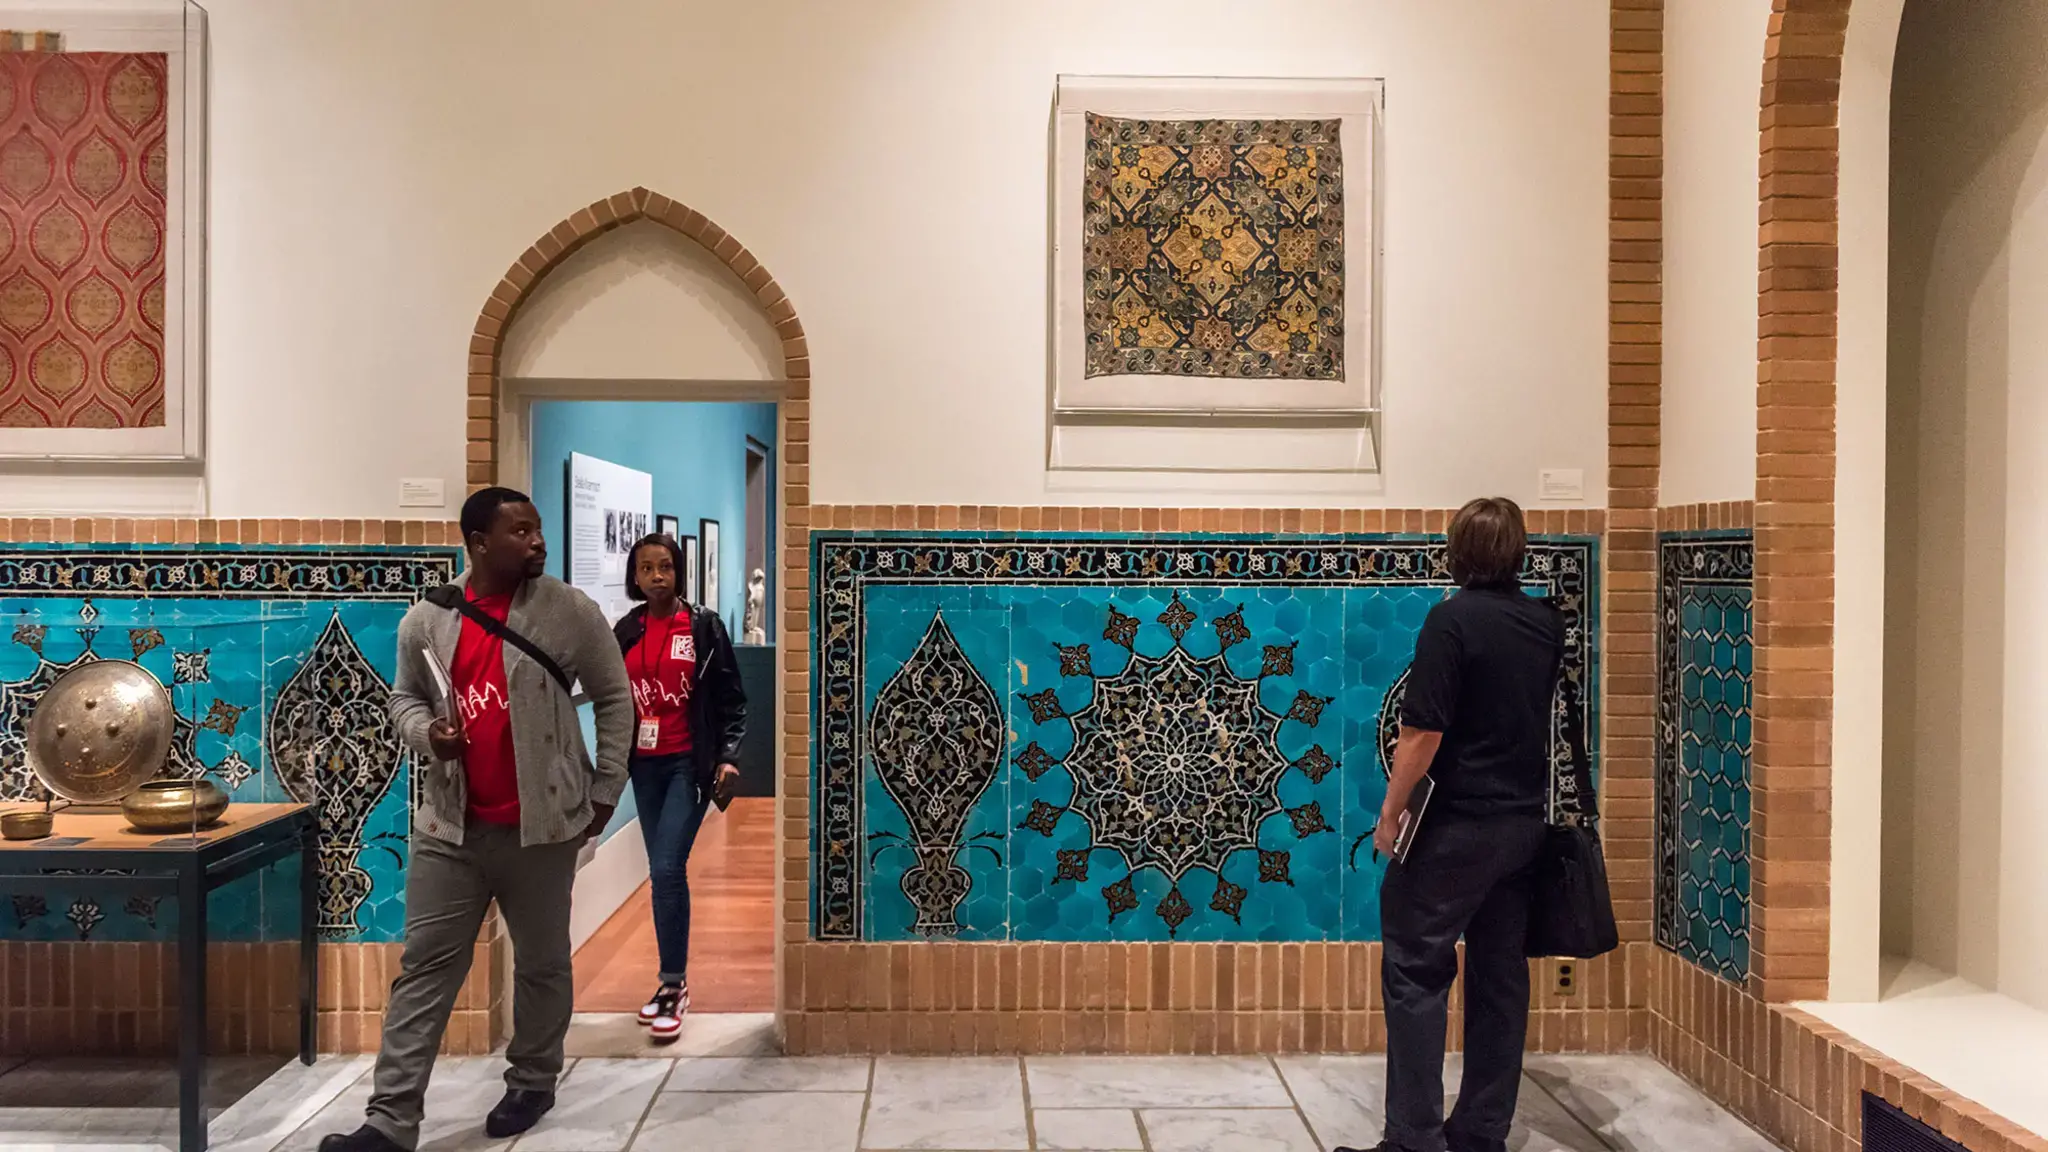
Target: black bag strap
<point>450,596</point>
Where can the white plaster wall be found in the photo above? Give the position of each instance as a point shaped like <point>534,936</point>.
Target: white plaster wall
<point>1855,879</point>
<point>1713,73</point>
<point>1966,774</point>
<point>642,303</point>
<point>377,164</point>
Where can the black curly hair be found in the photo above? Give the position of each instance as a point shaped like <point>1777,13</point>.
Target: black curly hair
<point>657,540</point>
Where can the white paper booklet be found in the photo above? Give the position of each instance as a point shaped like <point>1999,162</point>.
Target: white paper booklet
<point>444,687</point>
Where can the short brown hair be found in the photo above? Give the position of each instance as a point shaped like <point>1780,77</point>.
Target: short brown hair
<point>1488,539</point>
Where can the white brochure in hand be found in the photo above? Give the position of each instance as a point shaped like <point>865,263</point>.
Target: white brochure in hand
<point>444,687</point>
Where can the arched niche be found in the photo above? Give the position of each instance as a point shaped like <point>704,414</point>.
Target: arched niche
<point>642,302</point>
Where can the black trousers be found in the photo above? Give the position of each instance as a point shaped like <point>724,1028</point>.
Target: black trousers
<point>1468,876</point>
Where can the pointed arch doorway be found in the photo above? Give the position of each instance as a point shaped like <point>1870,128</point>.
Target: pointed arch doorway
<point>531,352</point>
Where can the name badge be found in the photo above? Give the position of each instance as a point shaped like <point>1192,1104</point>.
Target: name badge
<point>650,734</point>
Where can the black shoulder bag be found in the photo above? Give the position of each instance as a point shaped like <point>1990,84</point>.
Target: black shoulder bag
<point>1570,913</point>
<point>451,596</point>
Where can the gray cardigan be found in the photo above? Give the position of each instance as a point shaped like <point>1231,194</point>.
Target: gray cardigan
<point>557,782</point>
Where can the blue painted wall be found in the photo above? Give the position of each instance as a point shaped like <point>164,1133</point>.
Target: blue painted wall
<point>697,454</point>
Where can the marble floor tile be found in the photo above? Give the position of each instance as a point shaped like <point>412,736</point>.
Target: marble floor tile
<point>1638,1105</point>
<point>752,1122</point>
<point>90,1082</point>
<point>1342,1096</point>
<point>1227,1130</point>
<point>462,1091</point>
<point>956,1103</point>
<point>1086,1129</point>
<point>1541,1123</point>
<point>617,1035</point>
<point>135,1100</point>
<point>272,1111</point>
<point>458,1097</point>
<point>728,1104</point>
<point>85,1147</point>
<point>770,1074</point>
<point>1154,1082</point>
<point>1544,1125</point>
<point>103,1123</point>
<point>342,1114</point>
<point>598,1108</point>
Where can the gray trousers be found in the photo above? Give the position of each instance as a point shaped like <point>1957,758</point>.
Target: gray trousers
<point>449,887</point>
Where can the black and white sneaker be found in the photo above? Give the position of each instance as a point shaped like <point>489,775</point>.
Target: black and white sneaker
<point>664,1014</point>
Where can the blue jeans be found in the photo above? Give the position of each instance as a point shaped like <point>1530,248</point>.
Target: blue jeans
<point>672,806</point>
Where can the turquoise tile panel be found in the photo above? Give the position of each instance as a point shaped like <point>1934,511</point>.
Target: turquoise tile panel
<point>1705,658</point>
<point>279,663</point>
<point>1190,734</point>
<point>959,831</point>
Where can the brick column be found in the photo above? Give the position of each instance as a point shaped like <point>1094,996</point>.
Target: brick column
<point>1635,353</point>
<point>1797,261</point>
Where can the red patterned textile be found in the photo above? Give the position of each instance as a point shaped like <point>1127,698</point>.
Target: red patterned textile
<point>82,233</point>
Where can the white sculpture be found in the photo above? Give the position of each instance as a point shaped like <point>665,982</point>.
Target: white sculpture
<point>752,629</point>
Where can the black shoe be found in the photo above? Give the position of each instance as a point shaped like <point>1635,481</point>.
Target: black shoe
<point>520,1109</point>
<point>364,1139</point>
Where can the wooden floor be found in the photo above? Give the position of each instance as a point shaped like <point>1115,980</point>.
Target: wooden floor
<point>732,925</point>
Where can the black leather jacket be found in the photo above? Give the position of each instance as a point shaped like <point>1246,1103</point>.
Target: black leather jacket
<point>718,703</point>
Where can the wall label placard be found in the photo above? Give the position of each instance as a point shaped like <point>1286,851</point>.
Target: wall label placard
<point>610,506</point>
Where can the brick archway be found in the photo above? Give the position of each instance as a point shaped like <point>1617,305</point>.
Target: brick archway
<point>1798,280</point>
<point>487,340</point>
<point>792,538</point>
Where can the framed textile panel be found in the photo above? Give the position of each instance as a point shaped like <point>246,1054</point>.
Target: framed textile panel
<point>102,203</point>
<point>1213,246</point>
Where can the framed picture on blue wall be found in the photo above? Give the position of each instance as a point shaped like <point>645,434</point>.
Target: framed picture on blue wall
<point>669,526</point>
<point>707,567</point>
<point>688,576</point>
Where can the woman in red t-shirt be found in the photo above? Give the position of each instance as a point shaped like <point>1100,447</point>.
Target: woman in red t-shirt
<point>691,714</point>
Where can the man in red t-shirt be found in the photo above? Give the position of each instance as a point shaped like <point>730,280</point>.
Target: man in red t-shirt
<point>508,795</point>
<point>478,673</point>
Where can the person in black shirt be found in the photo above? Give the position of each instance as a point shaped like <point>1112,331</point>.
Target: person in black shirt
<point>1476,719</point>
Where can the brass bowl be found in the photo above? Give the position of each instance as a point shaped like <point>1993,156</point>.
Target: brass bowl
<point>25,825</point>
<point>174,805</point>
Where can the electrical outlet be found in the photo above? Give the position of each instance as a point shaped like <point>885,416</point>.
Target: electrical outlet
<point>1567,978</point>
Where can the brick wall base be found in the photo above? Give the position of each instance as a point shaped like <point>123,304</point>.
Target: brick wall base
<point>121,999</point>
<point>1797,1079</point>
<point>958,999</point>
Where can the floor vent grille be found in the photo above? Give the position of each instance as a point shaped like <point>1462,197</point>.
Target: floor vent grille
<point>1886,1129</point>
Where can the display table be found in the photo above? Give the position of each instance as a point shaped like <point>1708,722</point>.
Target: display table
<point>96,848</point>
